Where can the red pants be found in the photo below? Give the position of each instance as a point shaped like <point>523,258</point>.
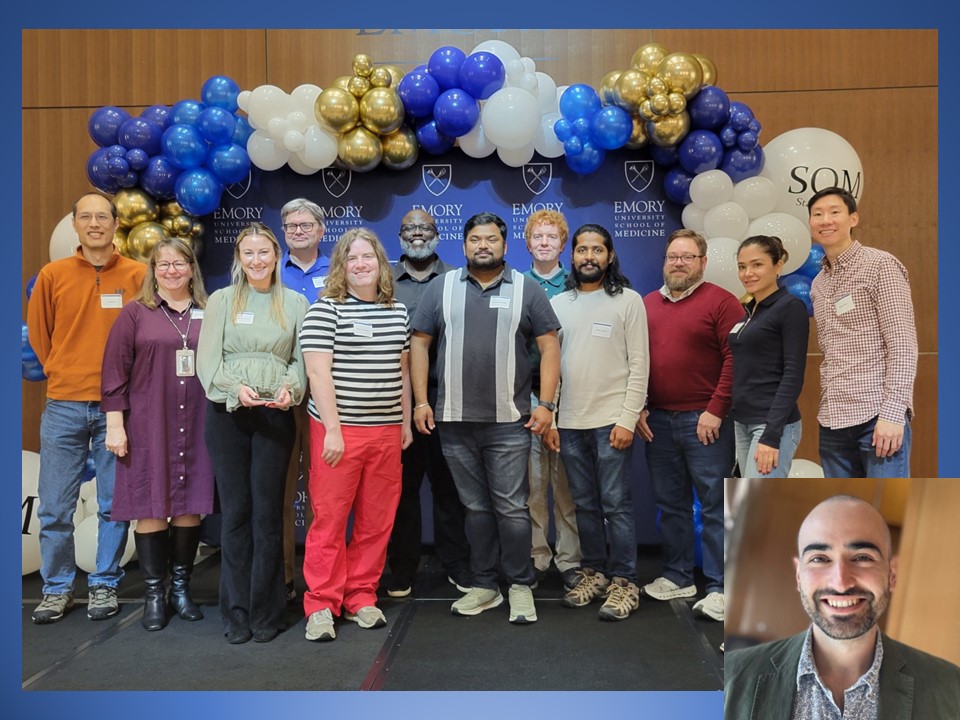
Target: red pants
<point>366,481</point>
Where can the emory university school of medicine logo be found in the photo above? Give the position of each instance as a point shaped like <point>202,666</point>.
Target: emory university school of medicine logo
<point>537,176</point>
<point>337,180</point>
<point>639,174</point>
<point>436,178</point>
<point>238,189</point>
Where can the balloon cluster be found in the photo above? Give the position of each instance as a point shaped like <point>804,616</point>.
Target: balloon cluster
<point>587,129</point>
<point>189,151</point>
<point>31,368</point>
<point>142,222</point>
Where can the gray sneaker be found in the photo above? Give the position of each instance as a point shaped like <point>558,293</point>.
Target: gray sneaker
<point>320,626</point>
<point>590,586</point>
<point>476,601</point>
<point>522,609</point>
<point>52,608</point>
<point>663,589</point>
<point>102,603</point>
<point>711,606</point>
<point>367,617</point>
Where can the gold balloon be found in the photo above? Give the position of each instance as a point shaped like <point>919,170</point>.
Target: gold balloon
<point>400,148</point>
<point>396,74</point>
<point>656,86</point>
<point>659,104</point>
<point>630,89</point>
<point>380,77</point>
<point>362,65</point>
<point>381,110</point>
<point>358,86</point>
<point>135,206</point>
<point>669,130</point>
<point>678,103</point>
<point>682,73</point>
<point>337,108</point>
<point>181,225</point>
<point>196,231</point>
<point>143,238</point>
<point>360,149</point>
<point>167,222</point>
<point>607,83</point>
<point>638,136</point>
<point>645,111</point>
<point>169,208</point>
<point>120,240</point>
<point>342,82</point>
<point>709,69</point>
<point>648,57</point>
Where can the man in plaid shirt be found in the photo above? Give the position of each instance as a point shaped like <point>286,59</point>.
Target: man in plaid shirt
<point>865,325</point>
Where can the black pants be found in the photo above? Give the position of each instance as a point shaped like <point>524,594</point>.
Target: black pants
<point>250,449</point>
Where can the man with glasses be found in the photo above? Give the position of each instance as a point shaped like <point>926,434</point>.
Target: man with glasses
<point>690,439</point>
<point>417,266</point>
<point>73,305</point>
<point>302,268</point>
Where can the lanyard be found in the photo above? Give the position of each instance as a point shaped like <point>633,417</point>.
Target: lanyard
<point>183,336</point>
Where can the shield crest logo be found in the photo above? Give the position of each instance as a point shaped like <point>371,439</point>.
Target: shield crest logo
<point>436,178</point>
<point>639,174</point>
<point>238,189</point>
<point>337,180</point>
<point>537,176</point>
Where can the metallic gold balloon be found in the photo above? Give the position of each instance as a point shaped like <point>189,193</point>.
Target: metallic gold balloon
<point>638,136</point>
<point>169,208</point>
<point>656,86</point>
<point>648,57</point>
<point>396,74</point>
<point>630,89</point>
<point>669,130</point>
<point>358,86</point>
<point>400,148</point>
<point>380,77</point>
<point>167,223</point>
<point>607,83</point>
<point>135,206</point>
<point>381,110</point>
<point>342,82</point>
<point>337,108</point>
<point>659,104</point>
<point>143,238</point>
<point>645,111</point>
<point>709,69</point>
<point>120,240</point>
<point>362,65</point>
<point>196,230</point>
<point>360,149</point>
<point>678,103</point>
<point>682,72</point>
<point>182,224</point>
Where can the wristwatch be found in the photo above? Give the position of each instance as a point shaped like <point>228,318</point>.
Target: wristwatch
<point>548,405</point>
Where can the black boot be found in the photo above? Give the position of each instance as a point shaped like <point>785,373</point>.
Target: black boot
<point>153,550</point>
<point>185,541</point>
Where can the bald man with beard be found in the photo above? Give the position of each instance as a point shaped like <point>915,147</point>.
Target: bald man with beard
<point>842,666</point>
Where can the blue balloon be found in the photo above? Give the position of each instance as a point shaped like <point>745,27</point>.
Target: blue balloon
<point>31,369</point>
<point>129,180</point>
<point>444,65</point>
<point>198,191</point>
<point>563,129</point>
<point>611,127</point>
<point>811,266</point>
<point>242,132</point>
<point>700,151</point>
<point>99,173</point>
<point>160,178</point>
<point>184,146</point>
<point>185,112</point>
<point>418,92</point>
<point>581,128</point>
<point>798,286</point>
<point>728,136</point>
<point>216,125</point>
<point>142,134</point>
<point>747,140</point>
<point>709,109</point>
<point>220,91</point>
<point>230,163</point>
<point>588,160</point>
<point>573,145</point>
<point>118,166</point>
<point>741,165</point>
<point>665,155</point>
<point>754,126</point>
<point>431,139</point>
<point>137,158</point>
<point>740,116</point>
<point>89,469</point>
<point>159,114</point>
<point>482,74</point>
<point>116,151</point>
<point>456,112</point>
<point>676,185</point>
<point>579,101</point>
<point>29,288</point>
<point>104,124</point>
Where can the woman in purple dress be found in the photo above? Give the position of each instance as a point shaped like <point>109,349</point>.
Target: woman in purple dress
<point>155,407</point>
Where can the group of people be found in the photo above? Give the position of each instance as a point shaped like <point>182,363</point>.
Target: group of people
<point>500,386</point>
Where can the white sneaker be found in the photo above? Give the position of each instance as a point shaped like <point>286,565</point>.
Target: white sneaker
<point>369,616</point>
<point>320,626</point>
<point>476,601</point>
<point>522,609</point>
<point>663,589</point>
<point>711,606</point>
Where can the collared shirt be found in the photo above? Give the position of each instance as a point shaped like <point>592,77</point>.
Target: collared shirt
<point>865,326</point>
<point>814,701</point>
<point>552,286</point>
<point>308,282</point>
<point>665,291</point>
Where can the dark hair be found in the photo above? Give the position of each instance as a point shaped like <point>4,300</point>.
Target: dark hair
<point>849,200</point>
<point>113,207</point>
<point>770,244</point>
<point>485,218</point>
<point>613,280</point>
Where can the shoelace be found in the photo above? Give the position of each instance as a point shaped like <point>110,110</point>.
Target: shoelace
<point>52,602</point>
<point>100,595</point>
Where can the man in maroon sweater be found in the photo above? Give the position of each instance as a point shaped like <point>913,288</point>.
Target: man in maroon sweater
<point>690,443</point>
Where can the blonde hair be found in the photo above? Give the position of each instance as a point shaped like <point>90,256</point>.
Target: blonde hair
<point>238,278</point>
<point>148,291</point>
<point>335,287</point>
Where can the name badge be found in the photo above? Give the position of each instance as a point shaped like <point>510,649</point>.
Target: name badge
<point>196,314</point>
<point>498,302</point>
<point>363,329</point>
<point>319,282</point>
<point>844,304</point>
<point>245,318</point>
<point>111,300</point>
<point>185,364</point>
<point>603,330</point>
<point>736,328</point>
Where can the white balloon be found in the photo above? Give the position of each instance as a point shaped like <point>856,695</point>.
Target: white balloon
<point>85,544</point>
<point>722,264</point>
<point>29,505</point>
<point>266,102</point>
<point>756,195</point>
<point>546,142</point>
<point>529,66</point>
<point>711,188</point>
<point>277,127</point>
<point>243,99</point>
<point>475,143</point>
<point>319,148</point>
<point>299,166</point>
<point>794,234</point>
<point>727,220</point>
<point>546,93</point>
<point>304,98</point>
<point>528,82</point>
<point>88,489</point>
<point>63,239</point>
<point>265,152</point>
<point>511,118</point>
<point>505,51</point>
<point>293,141</point>
<point>560,91</point>
<point>692,217</point>
<point>300,121</point>
<point>805,469</point>
<point>517,157</point>
<point>800,162</point>
<point>514,70</point>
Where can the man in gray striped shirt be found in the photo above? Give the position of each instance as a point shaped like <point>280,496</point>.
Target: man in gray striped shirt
<point>483,317</point>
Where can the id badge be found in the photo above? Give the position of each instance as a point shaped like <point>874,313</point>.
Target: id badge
<point>185,366</point>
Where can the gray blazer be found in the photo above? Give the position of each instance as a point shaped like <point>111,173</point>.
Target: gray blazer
<point>760,683</point>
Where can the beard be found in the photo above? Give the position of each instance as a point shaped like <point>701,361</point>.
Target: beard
<point>490,262</point>
<point>419,252</point>
<point>850,626</point>
<point>588,273</point>
<point>682,283</point>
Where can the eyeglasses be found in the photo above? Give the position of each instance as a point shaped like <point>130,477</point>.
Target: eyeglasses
<point>101,217</point>
<point>304,227</point>
<point>422,227</point>
<point>178,265</point>
<point>685,259</point>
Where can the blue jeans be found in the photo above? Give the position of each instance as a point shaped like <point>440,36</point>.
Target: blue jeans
<point>600,487</point>
<point>66,431</point>
<point>488,462</point>
<point>678,462</point>
<point>847,452</point>
<point>748,437</point>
